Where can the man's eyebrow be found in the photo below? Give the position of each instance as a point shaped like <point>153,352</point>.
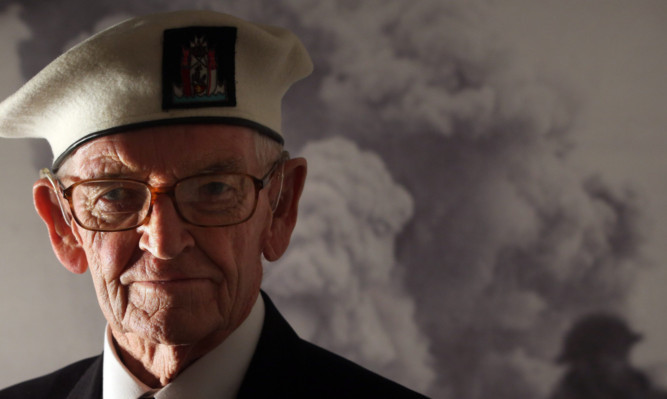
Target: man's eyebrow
<point>235,164</point>
<point>74,178</point>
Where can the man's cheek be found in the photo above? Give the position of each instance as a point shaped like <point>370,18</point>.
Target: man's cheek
<point>114,253</point>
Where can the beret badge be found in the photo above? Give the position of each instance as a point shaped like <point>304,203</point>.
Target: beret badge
<point>198,67</point>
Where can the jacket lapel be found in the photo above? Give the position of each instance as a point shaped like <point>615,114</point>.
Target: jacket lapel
<point>272,369</point>
<point>89,385</point>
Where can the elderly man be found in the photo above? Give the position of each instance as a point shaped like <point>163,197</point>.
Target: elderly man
<point>169,184</point>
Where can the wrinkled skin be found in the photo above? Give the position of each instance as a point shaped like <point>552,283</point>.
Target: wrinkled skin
<point>171,291</point>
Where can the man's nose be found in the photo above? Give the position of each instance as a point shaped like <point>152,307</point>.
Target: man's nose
<point>165,234</point>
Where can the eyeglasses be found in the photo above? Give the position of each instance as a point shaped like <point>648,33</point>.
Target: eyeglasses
<point>207,200</point>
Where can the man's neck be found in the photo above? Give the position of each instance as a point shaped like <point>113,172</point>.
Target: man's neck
<point>158,364</point>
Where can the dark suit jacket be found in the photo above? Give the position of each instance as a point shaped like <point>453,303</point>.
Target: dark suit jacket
<point>283,366</point>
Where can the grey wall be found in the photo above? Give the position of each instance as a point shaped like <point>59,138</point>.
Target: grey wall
<point>481,174</point>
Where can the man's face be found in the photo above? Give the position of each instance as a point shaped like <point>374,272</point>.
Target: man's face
<point>168,281</point>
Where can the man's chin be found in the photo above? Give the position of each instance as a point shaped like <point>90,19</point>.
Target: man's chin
<point>175,328</point>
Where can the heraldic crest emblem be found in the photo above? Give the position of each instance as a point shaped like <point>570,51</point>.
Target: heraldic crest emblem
<point>198,67</point>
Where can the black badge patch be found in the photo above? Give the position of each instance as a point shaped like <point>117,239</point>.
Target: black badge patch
<point>198,67</point>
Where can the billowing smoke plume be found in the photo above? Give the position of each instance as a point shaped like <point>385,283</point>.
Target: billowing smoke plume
<point>509,241</point>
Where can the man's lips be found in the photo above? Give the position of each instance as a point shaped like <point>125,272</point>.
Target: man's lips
<point>172,281</point>
<point>169,273</point>
<point>174,286</point>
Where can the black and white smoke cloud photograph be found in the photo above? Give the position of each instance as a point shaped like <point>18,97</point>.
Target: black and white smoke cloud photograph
<point>484,213</point>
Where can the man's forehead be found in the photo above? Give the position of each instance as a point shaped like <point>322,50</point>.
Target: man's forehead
<point>178,149</point>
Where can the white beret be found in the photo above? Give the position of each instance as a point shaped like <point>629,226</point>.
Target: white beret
<point>169,68</point>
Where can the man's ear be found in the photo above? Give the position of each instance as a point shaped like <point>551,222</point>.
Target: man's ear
<point>65,244</point>
<point>286,209</point>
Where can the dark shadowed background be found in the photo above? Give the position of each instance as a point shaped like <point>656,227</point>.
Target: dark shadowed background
<point>481,174</point>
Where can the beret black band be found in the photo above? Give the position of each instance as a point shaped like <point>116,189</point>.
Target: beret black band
<point>194,120</point>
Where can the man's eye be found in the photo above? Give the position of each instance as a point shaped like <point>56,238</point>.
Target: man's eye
<point>120,199</point>
<point>215,190</point>
<point>117,194</point>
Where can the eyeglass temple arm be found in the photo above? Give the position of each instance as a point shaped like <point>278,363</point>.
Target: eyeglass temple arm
<point>284,157</point>
<point>45,173</point>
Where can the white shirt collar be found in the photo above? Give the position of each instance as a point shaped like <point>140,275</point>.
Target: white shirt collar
<point>218,374</point>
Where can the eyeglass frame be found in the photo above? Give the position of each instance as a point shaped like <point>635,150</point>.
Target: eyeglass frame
<point>69,214</point>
